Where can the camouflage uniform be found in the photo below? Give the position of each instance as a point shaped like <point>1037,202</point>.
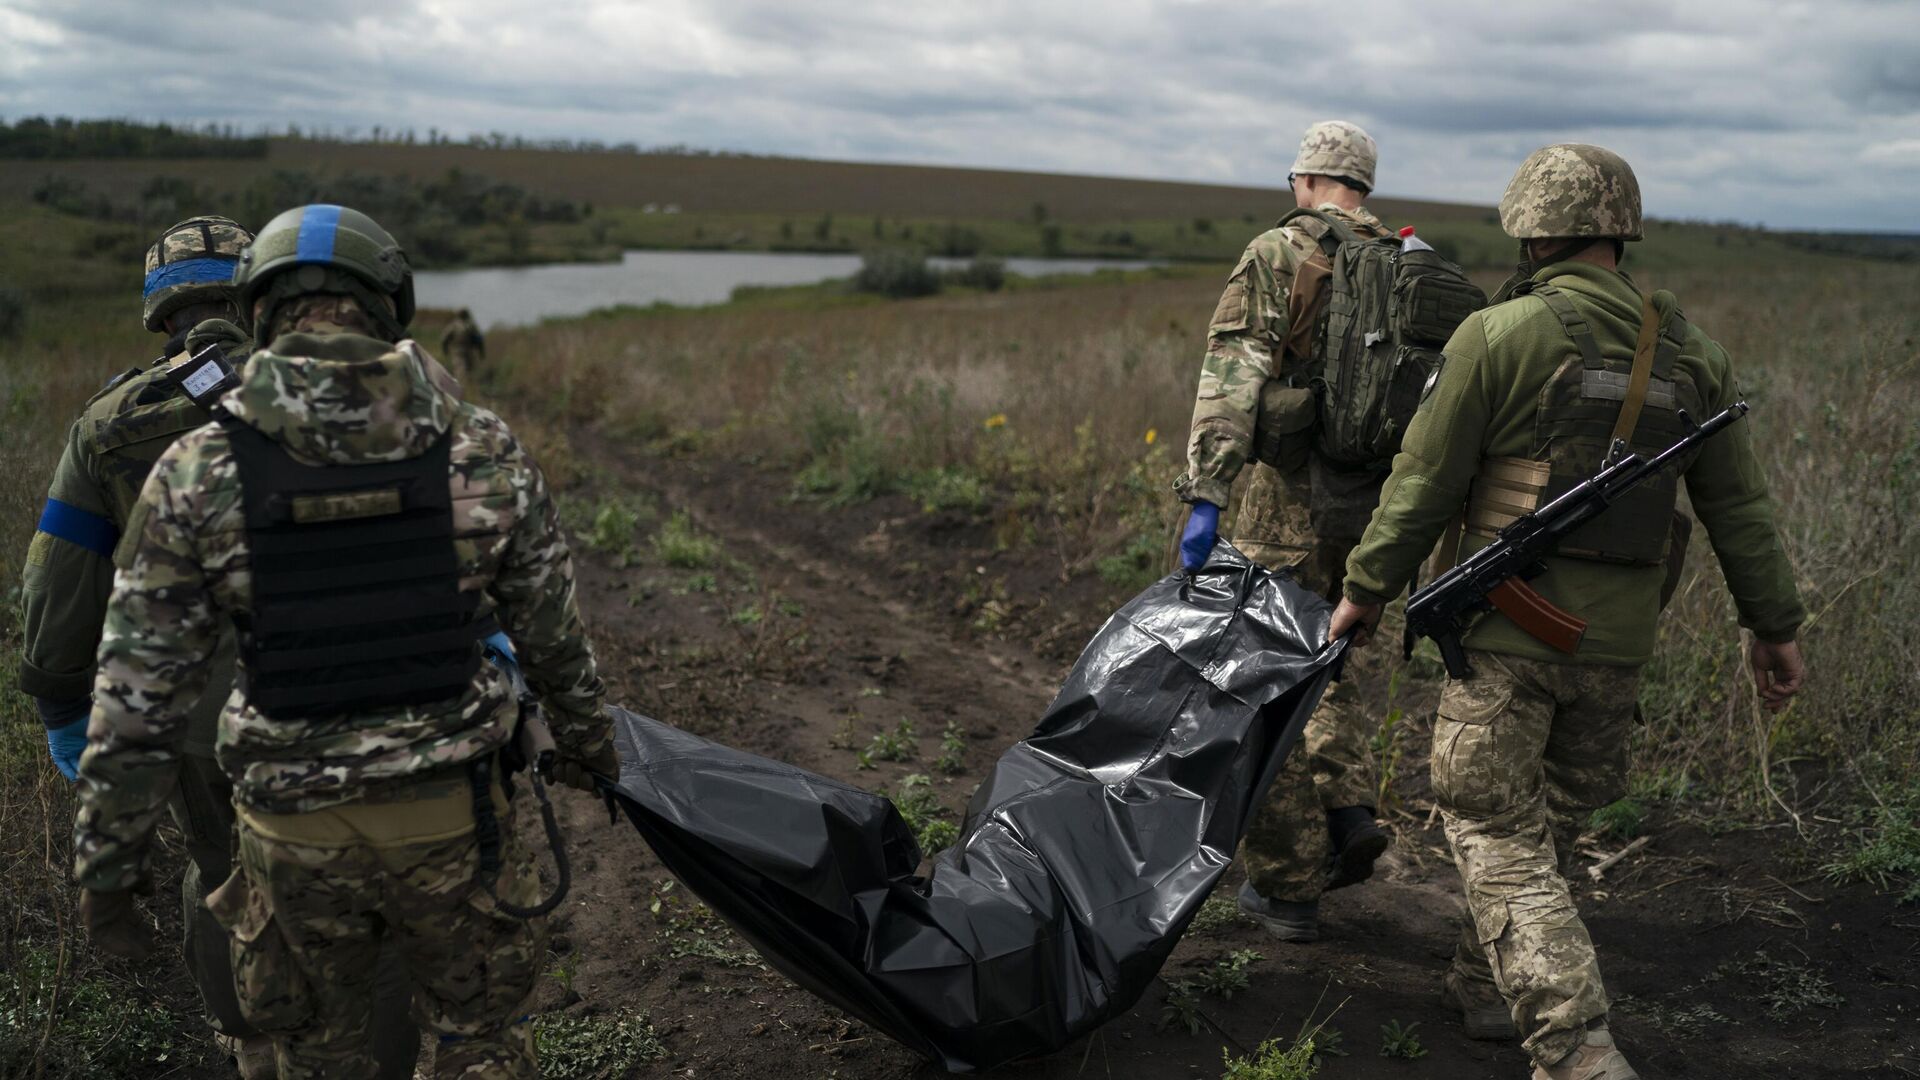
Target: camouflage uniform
<point>344,813</point>
<point>1535,739</point>
<point>1266,328</point>
<point>465,347</point>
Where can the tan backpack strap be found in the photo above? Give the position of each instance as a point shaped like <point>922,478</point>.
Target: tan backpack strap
<point>1641,374</point>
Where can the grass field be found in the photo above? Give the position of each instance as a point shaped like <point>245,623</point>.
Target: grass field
<point>1052,418</point>
<point>754,203</point>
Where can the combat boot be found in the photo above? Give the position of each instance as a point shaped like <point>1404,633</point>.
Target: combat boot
<point>1287,920</point>
<point>1596,1058</point>
<point>1358,840</point>
<point>1483,1012</point>
<point>252,1056</point>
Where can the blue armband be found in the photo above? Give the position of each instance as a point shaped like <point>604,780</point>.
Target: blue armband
<point>81,528</point>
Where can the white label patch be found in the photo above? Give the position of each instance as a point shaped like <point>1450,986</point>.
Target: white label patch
<point>202,380</point>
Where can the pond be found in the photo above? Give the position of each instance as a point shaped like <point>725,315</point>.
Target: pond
<point>521,295</point>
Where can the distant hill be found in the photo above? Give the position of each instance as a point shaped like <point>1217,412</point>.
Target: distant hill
<point>727,184</point>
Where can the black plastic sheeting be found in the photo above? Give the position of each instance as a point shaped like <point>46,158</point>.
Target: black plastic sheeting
<point>1085,854</point>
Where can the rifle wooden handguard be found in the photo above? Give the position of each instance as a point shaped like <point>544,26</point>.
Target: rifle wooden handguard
<point>1537,615</point>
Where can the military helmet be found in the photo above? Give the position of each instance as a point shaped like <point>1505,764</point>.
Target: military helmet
<point>1572,189</point>
<point>326,238</point>
<point>191,263</point>
<point>1337,148</point>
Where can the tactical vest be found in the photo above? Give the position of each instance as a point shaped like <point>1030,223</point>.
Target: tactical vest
<point>356,584</point>
<point>1580,408</point>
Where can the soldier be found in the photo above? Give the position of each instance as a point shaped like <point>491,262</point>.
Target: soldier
<point>364,530</point>
<point>1529,400</point>
<point>465,346</point>
<point>1269,327</point>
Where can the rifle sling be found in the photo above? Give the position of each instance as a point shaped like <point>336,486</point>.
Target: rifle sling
<point>1642,373</point>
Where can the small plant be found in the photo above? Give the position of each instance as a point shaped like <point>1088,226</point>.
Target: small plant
<point>1620,820</point>
<point>595,1047</point>
<point>1275,1060</point>
<point>1400,1042</point>
<point>1135,566</point>
<point>700,583</point>
<point>610,529</point>
<point>1220,912</point>
<point>679,544</point>
<point>564,971</point>
<point>1228,976</point>
<point>1182,1007</point>
<point>947,489</point>
<point>920,808</point>
<point>895,745</point>
<point>1887,855</point>
<point>953,750</point>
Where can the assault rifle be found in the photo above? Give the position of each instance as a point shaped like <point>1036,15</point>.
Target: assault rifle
<point>1495,577</point>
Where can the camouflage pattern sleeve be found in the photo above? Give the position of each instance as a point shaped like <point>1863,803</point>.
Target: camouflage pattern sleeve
<point>1243,345</point>
<point>146,681</point>
<point>534,588</point>
<point>66,581</point>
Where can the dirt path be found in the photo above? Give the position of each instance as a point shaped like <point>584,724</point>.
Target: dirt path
<point>1729,957</point>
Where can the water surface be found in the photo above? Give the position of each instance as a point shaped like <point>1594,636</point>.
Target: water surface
<point>520,295</point>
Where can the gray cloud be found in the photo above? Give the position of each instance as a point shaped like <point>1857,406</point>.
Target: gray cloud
<point>1802,114</point>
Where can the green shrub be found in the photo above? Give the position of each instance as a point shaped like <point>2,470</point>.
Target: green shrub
<point>896,274</point>
<point>13,312</point>
<point>1621,820</point>
<point>984,273</point>
<point>679,544</point>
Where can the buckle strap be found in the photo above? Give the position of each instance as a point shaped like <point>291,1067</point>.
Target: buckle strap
<point>1575,325</point>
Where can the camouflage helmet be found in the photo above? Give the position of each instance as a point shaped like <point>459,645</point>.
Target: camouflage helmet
<point>1572,189</point>
<point>339,244</point>
<point>1337,148</point>
<point>191,263</point>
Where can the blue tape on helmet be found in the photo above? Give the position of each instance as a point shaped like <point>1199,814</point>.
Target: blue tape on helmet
<point>82,528</point>
<point>317,226</point>
<point>207,269</point>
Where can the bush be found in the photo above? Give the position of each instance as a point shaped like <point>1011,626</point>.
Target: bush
<point>896,274</point>
<point>13,312</point>
<point>984,272</point>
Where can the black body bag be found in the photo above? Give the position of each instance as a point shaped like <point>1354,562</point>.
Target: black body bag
<point>1086,852</point>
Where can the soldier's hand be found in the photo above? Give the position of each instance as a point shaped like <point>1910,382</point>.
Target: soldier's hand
<point>579,773</point>
<point>1359,618</point>
<point>1778,672</point>
<point>114,924</point>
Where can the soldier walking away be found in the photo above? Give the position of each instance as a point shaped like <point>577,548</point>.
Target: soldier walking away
<point>1533,396</point>
<point>465,347</point>
<point>363,529</point>
<point>188,295</point>
<point>1264,345</point>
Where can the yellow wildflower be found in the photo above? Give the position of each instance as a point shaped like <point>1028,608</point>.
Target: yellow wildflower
<point>1153,436</point>
<point>997,420</point>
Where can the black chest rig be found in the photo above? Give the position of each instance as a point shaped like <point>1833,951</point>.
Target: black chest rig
<point>356,583</point>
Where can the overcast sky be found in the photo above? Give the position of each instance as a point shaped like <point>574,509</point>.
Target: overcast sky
<point>1792,114</point>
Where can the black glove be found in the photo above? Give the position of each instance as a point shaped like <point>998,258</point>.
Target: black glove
<point>114,924</point>
<point>579,773</point>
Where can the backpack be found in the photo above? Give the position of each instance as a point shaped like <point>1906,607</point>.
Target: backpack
<point>1388,313</point>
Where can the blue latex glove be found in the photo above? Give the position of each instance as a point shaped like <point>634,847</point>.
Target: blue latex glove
<point>500,650</point>
<point>65,744</point>
<point>1203,529</point>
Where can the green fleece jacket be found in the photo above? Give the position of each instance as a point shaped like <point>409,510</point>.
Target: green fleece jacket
<point>1484,404</point>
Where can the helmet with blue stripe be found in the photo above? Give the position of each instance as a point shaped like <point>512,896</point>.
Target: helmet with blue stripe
<point>191,263</point>
<point>347,251</point>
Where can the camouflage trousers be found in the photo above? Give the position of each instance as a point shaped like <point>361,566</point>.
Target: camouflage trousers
<point>202,807</point>
<point>317,894</point>
<point>1288,848</point>
<point>1523,752</point>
